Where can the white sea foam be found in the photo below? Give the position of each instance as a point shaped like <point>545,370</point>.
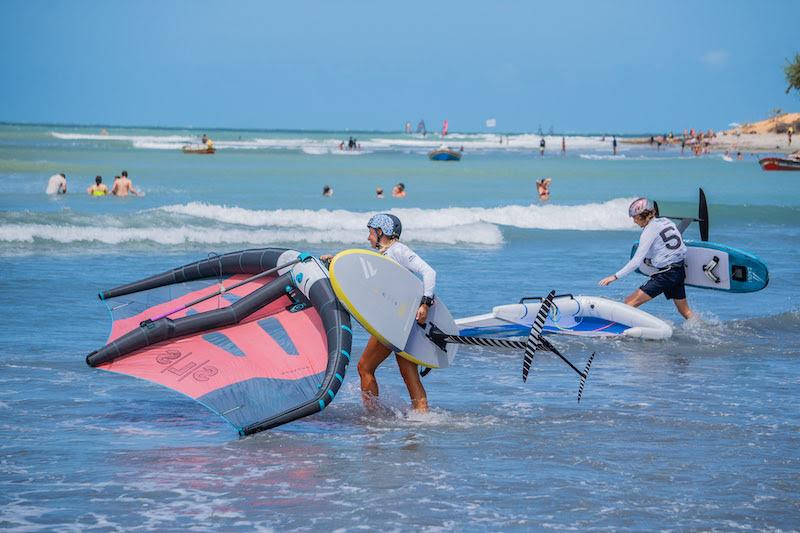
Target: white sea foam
<point>201,223</point>
<point>474,234</point>
<point>369,143</point>
<point>130,138</point>
<point>594,216</point>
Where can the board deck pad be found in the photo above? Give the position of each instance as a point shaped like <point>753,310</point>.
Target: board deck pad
<point>737,270</point>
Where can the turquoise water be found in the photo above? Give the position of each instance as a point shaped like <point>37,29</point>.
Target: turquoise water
<point>697,432</point>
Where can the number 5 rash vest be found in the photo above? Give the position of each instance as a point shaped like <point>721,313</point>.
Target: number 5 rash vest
<point>660,243</point>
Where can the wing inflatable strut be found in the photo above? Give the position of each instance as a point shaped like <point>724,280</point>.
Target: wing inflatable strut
<point>265,351</point>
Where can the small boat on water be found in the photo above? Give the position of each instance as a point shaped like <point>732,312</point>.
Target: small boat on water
<point>198,149</point>
<point>443,153</point>
<point>779,163</point>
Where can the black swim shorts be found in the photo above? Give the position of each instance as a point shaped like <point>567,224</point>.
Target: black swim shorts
<point>669,282</point>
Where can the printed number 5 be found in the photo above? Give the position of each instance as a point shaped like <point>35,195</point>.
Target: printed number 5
<point>668,237</point>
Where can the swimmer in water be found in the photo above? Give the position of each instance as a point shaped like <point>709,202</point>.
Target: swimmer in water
<point>543,188</point>
<point>57,184</point>
<point>399,191</point>
<point>123,186</point>
<point>99,188</point>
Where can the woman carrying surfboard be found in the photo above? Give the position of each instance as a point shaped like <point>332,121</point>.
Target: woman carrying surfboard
<point>662,247</point>
<point>384,235</point>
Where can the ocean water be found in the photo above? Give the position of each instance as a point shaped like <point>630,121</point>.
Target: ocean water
<point>697,432</point>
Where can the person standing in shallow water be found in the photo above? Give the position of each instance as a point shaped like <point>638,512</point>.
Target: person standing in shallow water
<point>384,236</point>
<point>662,247</point>
<point>543,189</point>
<point>57,184</point>
<point>123,185</point>
<point>99,188</point>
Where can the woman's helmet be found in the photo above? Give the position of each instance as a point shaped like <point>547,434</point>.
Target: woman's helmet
<point>639,206</point>
<point>389,224</point>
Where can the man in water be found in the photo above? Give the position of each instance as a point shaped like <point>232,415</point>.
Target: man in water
<point>662,247</point>
<point>543,188</point>
<point>327,190</point>
<point>399,191</point>
<point>99,188</point>
<point>541,147</point>
<point>614,144</point>
<point>123,186</point>
<point>57,184</point>
<point>379,192</point>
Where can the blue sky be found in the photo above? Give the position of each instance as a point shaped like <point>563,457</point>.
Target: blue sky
<point>576,66</point>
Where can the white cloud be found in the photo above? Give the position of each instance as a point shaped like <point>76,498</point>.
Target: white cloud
<point>715,58</point>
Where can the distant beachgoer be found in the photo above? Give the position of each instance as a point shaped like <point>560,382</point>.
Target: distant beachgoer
<point>341,146</point>
<point>379,192</point>
<point>543,188</point>
<point>652,140</point>
<point>399,191</point>
<point>789,134</point>
<point>99,188</point>
<point>541,147</point>
<point>739,156</point>
<point>614,144</point>
<point>327,190</point>
<point>563,145</point>
<point>683,144</point>
<point>123,185</point>
<point>204,140</point>
<point>57,184</point>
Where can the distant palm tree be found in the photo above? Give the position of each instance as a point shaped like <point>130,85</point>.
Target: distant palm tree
<point>792,71</point>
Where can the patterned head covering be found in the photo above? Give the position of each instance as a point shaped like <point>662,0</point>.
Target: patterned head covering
<point>639,206</point>
<point>389,224</point>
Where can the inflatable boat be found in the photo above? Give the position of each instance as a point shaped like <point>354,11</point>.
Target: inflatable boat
<point>444,153</point>
<point>587,316</point>
<point>198,149</point>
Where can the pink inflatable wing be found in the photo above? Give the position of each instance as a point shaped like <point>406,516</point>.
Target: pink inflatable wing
<point>267,350</point>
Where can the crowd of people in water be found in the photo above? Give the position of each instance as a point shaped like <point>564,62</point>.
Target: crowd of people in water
<point>398,191</point>
<point>122,186</point>
<point>351,144</point>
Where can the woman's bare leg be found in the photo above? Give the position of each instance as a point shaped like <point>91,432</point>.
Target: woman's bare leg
<point>374,354</point>
<point>410,373</point>
<point>637,298</point>
<point>683,308</point>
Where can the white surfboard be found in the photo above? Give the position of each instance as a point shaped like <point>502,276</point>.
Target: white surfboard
<point>419,348</point>
<point>383,297</point>
<point>711,265</point>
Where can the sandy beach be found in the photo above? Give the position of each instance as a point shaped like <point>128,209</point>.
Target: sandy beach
<point>768,135</point>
